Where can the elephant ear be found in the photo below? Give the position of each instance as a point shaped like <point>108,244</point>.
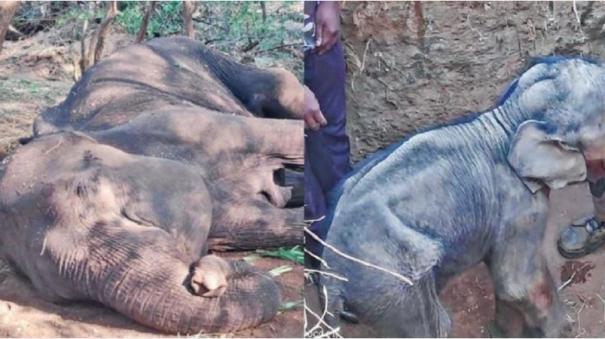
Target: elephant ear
<point>541,158</point>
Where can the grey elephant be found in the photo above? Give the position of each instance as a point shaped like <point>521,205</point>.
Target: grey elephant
<point>160,153</point>
<point>476,190</point>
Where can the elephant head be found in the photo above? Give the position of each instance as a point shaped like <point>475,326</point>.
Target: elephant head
<point>564,100</point>
<point>90,228</point>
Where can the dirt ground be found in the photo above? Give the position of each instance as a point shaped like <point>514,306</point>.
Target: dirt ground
<point>413,65</point>
<point>37,73</point>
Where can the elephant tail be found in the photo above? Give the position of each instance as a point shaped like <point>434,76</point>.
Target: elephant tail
<point>143,277</point>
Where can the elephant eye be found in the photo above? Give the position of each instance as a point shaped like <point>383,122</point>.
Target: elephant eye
<point>567,146</point>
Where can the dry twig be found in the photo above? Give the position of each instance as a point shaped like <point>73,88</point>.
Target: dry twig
<point>359,261</point>
<point>567,282</point>
<point>330,274</point>
<point>580,329</point>
<point>320,322</point>
<point>365,54</point>
<point>315,256</point>
<point>603,302</point>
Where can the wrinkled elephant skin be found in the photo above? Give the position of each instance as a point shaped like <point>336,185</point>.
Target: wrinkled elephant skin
<point>477,190</point>
<point>159,153</point>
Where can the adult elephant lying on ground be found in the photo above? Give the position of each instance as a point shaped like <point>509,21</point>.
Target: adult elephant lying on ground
<point>440,202</point>
<point>157,155</point>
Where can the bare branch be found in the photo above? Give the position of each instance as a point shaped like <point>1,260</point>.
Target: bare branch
<point>321,321</point>
<point>318,258</point>
<point>330,274</point>
<point>15,31</point>
<point>359,261</point>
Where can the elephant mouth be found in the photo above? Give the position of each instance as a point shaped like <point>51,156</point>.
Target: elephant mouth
<point>292,176</point>
<point>594,154</point>
<point>595,169</point>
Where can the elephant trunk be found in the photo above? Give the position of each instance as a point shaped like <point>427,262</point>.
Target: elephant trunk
<point>147,280</point>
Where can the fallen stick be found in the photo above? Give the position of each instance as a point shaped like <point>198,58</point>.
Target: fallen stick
<point>567,282</point>
<point>333,275</point>
<point>359,261</point>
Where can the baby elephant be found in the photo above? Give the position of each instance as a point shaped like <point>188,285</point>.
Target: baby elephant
<point>432,206</point>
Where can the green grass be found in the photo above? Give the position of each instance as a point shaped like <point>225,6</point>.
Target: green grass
<point>290,305</point>
<point>78,14</point>
<point>13,89</point>
<point>31,87</point>
<point>276,272</point>
<point>166,18</point>
<point>294,254</point>
<point>224,25</point>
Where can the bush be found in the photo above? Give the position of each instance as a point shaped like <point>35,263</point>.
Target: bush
<point>165,20</point>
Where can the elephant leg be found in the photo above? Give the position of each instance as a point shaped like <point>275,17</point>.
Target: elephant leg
<point>282,139</point>
<point>509,320</point>
<point>137,271</point>
<point>255,224</point>
<point>395,310</point>
<point>524,285</point>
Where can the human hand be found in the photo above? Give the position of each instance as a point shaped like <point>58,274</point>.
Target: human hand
<point>327,25</point>
<point>313,117</point>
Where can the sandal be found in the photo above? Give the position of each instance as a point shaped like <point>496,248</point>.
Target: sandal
<point>582,237</point>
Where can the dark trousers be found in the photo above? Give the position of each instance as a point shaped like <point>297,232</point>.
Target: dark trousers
<point>326,150</point>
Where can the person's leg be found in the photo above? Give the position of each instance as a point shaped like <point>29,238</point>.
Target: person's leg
<point>586,235</point>
<point>325,76</point>
<point>327,150</point>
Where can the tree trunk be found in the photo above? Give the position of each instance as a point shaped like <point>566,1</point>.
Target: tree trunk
<point>263,9</point>
<point>188,9</point>
<point>98,41</point>
<point>83,55</point>
<point>7,11</point>
<point>145,22</point>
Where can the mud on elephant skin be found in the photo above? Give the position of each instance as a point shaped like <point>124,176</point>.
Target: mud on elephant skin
<point>478,190</point>
<point>162,152</point>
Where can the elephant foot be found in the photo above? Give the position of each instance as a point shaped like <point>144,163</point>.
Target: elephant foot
<point>209,276</point>
<point>494,331</point>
